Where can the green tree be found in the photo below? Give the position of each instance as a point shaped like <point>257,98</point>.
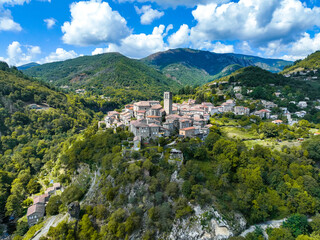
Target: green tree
<point>87,231</point>
<point>297,224</point>
<point>280,234</point>
<point>53,205</point>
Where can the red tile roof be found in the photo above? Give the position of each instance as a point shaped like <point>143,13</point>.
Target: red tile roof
<point>187,129</point>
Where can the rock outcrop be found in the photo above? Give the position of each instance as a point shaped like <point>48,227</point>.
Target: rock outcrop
<point>206,224</point>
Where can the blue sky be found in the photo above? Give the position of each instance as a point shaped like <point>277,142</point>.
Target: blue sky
<point>53,30</point>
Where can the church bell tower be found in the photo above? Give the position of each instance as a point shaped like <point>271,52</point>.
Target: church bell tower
<point>167,99</point>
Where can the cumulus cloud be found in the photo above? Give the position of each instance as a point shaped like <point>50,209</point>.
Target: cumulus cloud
<point>148,15</point>
<point>50,22</point>
<point>179,38</point>
<point>7,23</point>
<point>222,48</point>
<point>138,45</point>
<point>59,55</point>
<point>94,22</point>
<point>306,45</point>
<point>257,21</point>
<point>18,54</point>
<point>295,50</point>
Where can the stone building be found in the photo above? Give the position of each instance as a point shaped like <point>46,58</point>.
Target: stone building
<point>167,102</point>
<point>34,213</point>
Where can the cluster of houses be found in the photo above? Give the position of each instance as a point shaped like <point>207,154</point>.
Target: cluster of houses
<point>149,120</point>
<point>38,209</point>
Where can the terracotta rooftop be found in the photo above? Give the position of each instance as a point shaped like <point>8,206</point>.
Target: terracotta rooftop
<point>277,121</point>
<point>40,199</point>
<point>156,106</point>
<point>187,129</point>
<point>113,113</point>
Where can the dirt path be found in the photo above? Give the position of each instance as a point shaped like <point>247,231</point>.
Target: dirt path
<point>52,221</point>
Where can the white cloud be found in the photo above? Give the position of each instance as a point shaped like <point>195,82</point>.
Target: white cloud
<point>148,15</point>
<point>294,50</point>
<point>18,54</point>
<point>175,3</point>
<point>59,55</point>
<point>245,47</point>
<point>222,48</point>
<point>18,2</point>
<point>14,2</point>
<point>257,21</point>
<point>7,23</point>
<point>179,38</point>
<point>168,29</point>
<point>6,20</point>
<point>94,22</point>
<point>306,45</point>
<point>50,22</point>
<point>138,45</point>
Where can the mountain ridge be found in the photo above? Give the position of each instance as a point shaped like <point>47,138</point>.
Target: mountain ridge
<point>102,71</point>
<point>167,70</point>
<point>212,64</point>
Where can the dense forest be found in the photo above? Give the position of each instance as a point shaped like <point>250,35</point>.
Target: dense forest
<point>29,137</point>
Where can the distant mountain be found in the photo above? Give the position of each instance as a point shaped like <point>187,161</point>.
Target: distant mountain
<point>272,65</point>
<point>27,66</point>
<point>105,70</point>
<point>190,66</point>
<point>312,62</point>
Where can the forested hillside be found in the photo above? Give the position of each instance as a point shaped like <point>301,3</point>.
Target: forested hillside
<point>196,67</point>
<point>100,72</point>
<point>30,137</point>
<point>261,84</point>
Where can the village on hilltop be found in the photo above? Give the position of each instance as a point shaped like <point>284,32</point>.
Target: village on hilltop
<point>149,120</point>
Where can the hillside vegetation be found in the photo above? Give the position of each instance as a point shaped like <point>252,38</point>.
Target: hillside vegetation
<point>128,194</point>
<point>312,62</point>
<point>209,65</point>
<point>29,138</point>
<point>102,71</point>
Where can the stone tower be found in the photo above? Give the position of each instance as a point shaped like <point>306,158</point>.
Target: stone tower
<point>167,99</point>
